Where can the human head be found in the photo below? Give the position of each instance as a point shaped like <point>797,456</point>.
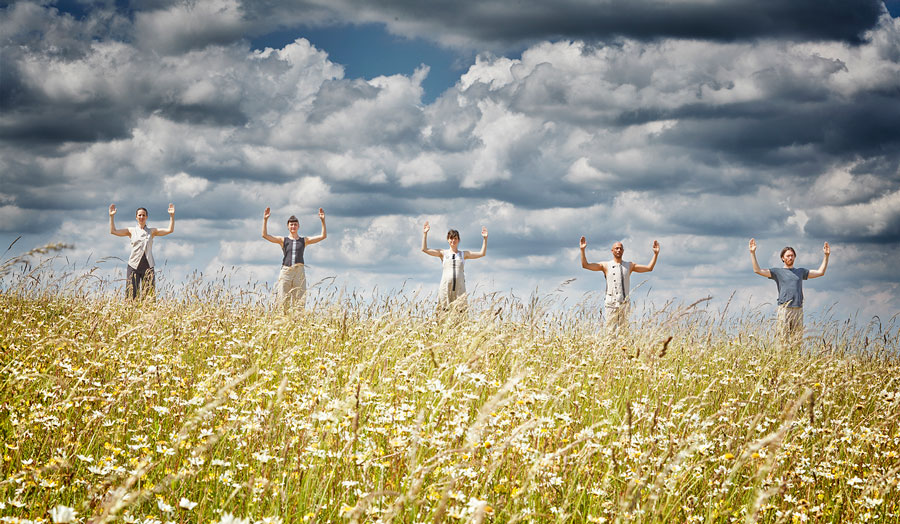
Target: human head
<point>453,234</point>
<point>792,252</point>
<point>141,215</point>
<point>618,249</point>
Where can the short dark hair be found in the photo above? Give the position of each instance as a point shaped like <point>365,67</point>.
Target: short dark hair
<point>140,208</point>
<point>785,250</point>
<point>293,219</point>
<point>452,234</point>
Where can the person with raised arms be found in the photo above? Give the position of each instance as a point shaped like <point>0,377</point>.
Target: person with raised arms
<point>453,278</point>
<point>291,287</point>
<point>140,278</point>
<point>789,281</point>
<point>618,282</point>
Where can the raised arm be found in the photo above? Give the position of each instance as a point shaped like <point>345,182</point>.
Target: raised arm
<point>112,224</point>
<point>588,265</point>
<point>637,268</point>
<point>433,252</point>
<point>265,232</point>
<point>816,273</point>
<point>164,232</point>
<point>484,235</point>
<point>756,269</point>
<point>323,235</point>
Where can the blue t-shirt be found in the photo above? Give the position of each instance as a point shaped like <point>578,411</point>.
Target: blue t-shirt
<point>790,284</point>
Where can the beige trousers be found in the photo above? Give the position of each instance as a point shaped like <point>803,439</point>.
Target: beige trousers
<point>790,326</point>
<point>616,319</point>
<point>290,291</point>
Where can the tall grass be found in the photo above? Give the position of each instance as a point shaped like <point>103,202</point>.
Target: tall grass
<point>215,408</point>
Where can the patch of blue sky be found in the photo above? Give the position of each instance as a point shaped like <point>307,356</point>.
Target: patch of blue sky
<point>367,51</point>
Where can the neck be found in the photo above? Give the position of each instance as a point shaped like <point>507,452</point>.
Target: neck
<point>294,236</point>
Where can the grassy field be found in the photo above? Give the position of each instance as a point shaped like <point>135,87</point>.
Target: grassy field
<point>185,411</point>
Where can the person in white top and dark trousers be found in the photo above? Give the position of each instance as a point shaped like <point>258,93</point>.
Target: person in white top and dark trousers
<point>140,278</point>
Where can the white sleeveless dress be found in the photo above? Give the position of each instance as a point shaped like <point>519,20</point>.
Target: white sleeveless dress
<point>453,278</point>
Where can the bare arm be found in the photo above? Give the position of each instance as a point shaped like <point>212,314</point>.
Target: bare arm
<point>821,271</point>
<point>164,232</point>
<point>265,232</point>
<point>433,252</point>
<point>112,224</point>
<point>756,269</point>
<point>588,265</point>
<point>323,235</point>
<point>637,268</point>
<point>484,235</point>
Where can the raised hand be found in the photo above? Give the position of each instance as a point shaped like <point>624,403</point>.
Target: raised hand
<point>483,232</point>
<point>655,247</point>
<point>321,214</point>
<point>267,213</point>
<point>753,245</point>
<point>171,209</point>
<point>112,210</point>
<point>583,243</point>
<point>827,249</point>
<point>426,228</point>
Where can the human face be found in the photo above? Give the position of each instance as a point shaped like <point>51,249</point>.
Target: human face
<point>454,243</point>
<point>141,217</point>
<point>293,227</point>
<point>789,257</point>
<point>618,250</point>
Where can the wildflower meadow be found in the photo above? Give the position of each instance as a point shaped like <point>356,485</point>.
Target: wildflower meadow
<point>204,406</point>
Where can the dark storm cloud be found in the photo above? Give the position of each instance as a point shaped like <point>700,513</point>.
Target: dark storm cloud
<point>864,125</point>
<point>49,125</point>
<point>499,21</point>
<point>475,24</point>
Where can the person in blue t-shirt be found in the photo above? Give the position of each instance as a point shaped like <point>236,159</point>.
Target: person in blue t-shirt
<point>789,280</point>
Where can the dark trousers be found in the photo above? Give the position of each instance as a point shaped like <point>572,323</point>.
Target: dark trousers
<point>139,282</point>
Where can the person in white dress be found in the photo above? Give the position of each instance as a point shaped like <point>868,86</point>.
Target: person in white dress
<point>453,278</point>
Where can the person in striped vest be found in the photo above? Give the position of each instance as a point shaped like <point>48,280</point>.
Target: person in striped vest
<point>290,291</point>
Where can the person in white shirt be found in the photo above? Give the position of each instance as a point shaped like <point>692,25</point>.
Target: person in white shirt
<point>140,278</point>
<point>618,282</point>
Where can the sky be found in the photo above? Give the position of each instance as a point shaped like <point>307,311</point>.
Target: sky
<point>697,123</point>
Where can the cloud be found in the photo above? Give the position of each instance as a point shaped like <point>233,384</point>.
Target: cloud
<point>877,220</point>
<point>189,25</point>
<point>184,184</point>
<point>496,22</point>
